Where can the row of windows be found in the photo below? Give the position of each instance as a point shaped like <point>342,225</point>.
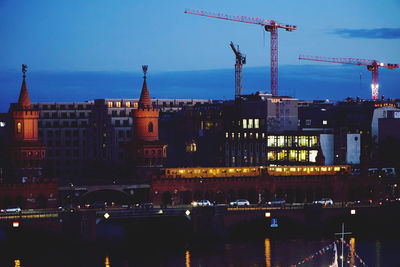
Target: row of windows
<point>279,140</point>
<point>251,123</point>
<point>62,106</point>
<point>245,135</point>
<point>57,143</point>
<point>57,133</point>
<point>124,123</point>
<point>57,124</point>
<point>65,115</point>
<point>67,152</point>
<point>283,155</point>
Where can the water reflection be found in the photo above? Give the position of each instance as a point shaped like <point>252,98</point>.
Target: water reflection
<point>107,262</point>
<point>378,253</point>
<point>187,258</point>
<point>267,246</point>
<point>17,263</point>
<point>353,249</point>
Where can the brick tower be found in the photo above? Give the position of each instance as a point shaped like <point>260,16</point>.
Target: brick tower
<point>146,150</point>
<point>27,152</point>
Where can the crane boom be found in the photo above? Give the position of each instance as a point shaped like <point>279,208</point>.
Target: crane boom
<point>269,25</point>
<point>372,65</point>
<point>245,19</point>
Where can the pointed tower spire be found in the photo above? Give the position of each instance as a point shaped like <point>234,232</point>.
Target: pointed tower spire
<point>144,101</point>
<point>24,102</point>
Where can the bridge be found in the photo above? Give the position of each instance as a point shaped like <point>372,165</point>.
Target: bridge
<point>221,220</point>
<point>124,191</point>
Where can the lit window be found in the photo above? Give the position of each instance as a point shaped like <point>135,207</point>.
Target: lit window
<point>245,135</point>
<point>263,135</point>
<point>110,104</point>
<point>233,160</point>
<point>256,123</point>
<point>308,122</point>
<point>324,122</point>
<point>233,135</point>
<point>135,105</point>
<point>303,155</point>
<point>271,141</point>
<point>281,141</point>
<point>118,104</point>
<point>282,155</point>
<point>271,155</point>
<point>226,135</point>
<point>303,140</point>
<point>128,104</point>
<point>250,123</point>
<point>256,135</point>
<point>19,127</point>
<point>2,124</point>
<point>293,155</point>
<point>313,155</point>
<point>313,141</point>
<point>239,135</point>
<point>244,123</point>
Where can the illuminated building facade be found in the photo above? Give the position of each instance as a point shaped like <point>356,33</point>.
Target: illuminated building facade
<point>27,153</point>
<point>145,149</point>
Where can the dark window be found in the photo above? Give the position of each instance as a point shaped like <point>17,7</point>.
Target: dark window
<point>72,115</point>
<point>68,133</point>
<point>65,124</point>
<point>76,133</point>
<point>50,133</point>
<point>150,127</point>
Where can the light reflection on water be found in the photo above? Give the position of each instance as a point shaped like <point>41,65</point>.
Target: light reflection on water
<point>266,252</point>
<point>187,258</point>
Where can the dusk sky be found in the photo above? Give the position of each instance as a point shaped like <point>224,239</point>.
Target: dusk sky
<point>82,50</point>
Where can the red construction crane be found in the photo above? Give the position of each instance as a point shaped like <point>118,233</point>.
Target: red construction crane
<point>372,65</point>
<point>240,60</point>
<point>269,25</point>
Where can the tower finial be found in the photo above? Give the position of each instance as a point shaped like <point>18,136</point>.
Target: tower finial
<point>24,67</point>
<point>144,67</point>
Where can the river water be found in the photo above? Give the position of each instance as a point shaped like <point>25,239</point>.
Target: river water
<point>268,252</point>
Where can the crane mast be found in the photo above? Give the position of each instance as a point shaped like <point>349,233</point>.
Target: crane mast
<point>372,65</point>
<point>269,25</point>
<point>240,60</point>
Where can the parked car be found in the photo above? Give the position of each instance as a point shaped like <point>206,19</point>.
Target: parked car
<point>324,201</point>
<point>144,205</point>
<point>240,202</point>
<point>278,201</point>
<point>12,210</point>
<point>202,203</point>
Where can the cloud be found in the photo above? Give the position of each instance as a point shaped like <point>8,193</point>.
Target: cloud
<point>381,33</point>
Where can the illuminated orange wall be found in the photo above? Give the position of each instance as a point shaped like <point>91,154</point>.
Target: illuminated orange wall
<point>142,118</point>
<point>29,124</point>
